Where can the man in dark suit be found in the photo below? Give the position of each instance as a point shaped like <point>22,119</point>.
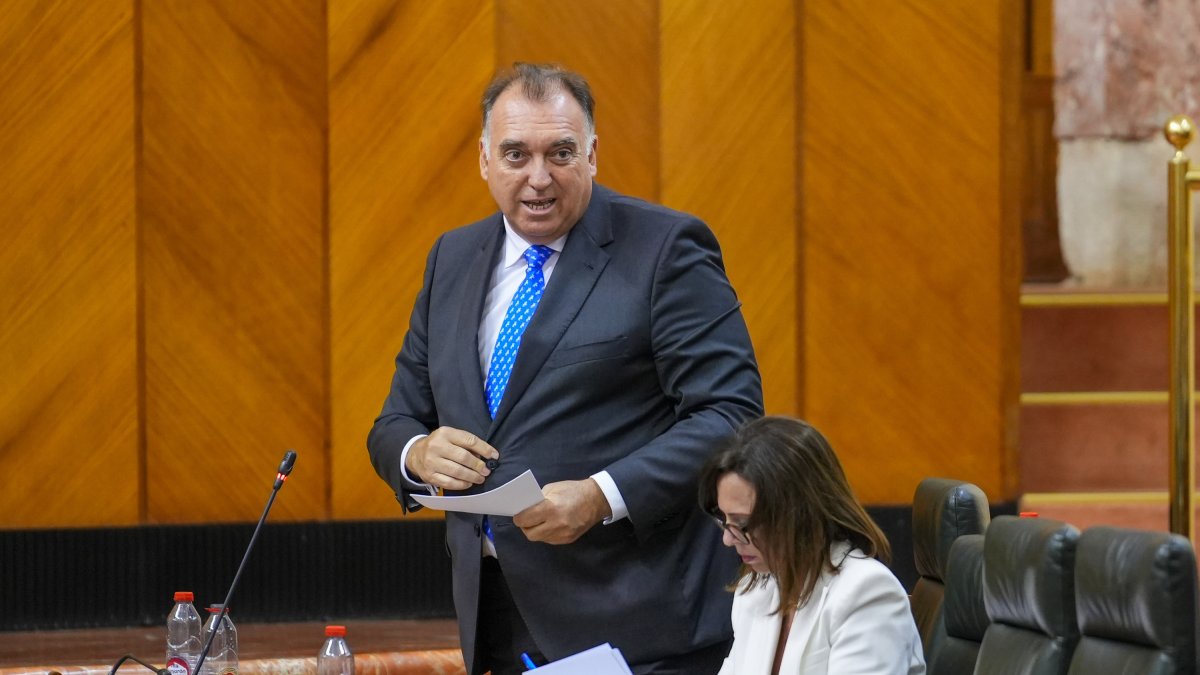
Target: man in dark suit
<point>595,339</point>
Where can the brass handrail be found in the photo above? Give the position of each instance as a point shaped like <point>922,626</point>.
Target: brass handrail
<point>1180,396</point>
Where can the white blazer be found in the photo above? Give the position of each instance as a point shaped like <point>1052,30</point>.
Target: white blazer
<point>857,621</point>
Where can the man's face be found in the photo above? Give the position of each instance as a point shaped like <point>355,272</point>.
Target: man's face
<point>539,164</point>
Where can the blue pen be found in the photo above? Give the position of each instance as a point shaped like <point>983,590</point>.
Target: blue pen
<point>529,665</point>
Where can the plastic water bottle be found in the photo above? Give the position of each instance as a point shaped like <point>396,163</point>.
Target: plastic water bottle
<point>335,657</point>
<point>222,657</point>
<point>183,635</point>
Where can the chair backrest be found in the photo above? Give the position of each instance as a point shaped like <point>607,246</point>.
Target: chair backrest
<point>963,611</point>
<point>1135,596</point>
<point>943,510</point>
<point>1029,593</point>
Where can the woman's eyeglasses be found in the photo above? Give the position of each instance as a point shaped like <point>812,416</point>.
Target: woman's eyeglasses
<point>740,533</point>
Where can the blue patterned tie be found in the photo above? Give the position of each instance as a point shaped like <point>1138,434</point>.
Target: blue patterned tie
<point>520,311</point>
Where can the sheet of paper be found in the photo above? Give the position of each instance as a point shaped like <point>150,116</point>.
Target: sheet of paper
<point>599,660</point>
<point>509,499</point>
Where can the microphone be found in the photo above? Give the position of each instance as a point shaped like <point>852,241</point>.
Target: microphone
<point>285,470</point>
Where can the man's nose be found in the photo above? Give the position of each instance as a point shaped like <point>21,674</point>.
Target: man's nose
<point>539,175</point>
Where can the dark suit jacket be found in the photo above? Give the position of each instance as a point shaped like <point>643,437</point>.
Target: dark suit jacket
<point>637,361</point>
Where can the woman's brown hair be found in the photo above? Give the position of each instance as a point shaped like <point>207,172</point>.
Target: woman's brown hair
<point>803,503</point>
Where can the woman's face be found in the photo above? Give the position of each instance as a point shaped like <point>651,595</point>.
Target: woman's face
<point>735,499</point>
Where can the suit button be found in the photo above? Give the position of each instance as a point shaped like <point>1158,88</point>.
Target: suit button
<point>476,529</point>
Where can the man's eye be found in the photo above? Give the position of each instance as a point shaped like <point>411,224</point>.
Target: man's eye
<point>513,155</point>
<point>564,155</point>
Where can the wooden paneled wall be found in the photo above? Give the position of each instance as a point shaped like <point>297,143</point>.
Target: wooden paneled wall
<point>221,211</point>
<point>232,242</point>
<point>69,452</point>
<point>910,239</point>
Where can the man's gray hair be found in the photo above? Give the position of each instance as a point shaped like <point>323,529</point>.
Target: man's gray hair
<point>539,82</point>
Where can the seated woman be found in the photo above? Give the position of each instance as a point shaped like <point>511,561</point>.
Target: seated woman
<point>811,598</point>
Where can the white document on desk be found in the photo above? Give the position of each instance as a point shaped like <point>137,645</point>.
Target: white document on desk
<point>509,499</point>
<point>599,660</point>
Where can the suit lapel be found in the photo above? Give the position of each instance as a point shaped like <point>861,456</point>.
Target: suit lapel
<point>764,635</point>
<point>802,635</point>
<point>575,274</point>
<point>475,288</point>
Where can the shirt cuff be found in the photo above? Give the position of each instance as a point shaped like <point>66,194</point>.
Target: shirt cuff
<point>404,464</point>
<point>615,501</point>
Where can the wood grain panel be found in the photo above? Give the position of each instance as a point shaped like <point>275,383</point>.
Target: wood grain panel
<point>729,112</point>
<point>615,46</point>
<point>233,203</point>
<point>68,338</point>
<point>907,307</point>
<point>404,80</point>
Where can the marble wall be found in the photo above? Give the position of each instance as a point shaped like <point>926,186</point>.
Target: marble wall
<point>1122,68</point>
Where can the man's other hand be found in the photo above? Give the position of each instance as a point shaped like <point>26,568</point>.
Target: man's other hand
<point>569,509</point>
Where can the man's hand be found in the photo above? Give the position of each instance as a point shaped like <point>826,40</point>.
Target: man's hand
<point>450,458</point>
<point>569,509</point>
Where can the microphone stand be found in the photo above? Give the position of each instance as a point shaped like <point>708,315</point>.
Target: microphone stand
<point>285,469</point>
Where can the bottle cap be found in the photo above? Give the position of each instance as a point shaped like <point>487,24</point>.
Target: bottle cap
<point>184,596</point>
<point>335,631</point>
<point>1029,514</point>
<point>215,608</point>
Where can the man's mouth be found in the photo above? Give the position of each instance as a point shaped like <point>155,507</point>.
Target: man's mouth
<point>539,204</point>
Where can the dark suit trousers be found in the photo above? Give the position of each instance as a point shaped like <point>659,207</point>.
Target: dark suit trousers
<point>500,635</point>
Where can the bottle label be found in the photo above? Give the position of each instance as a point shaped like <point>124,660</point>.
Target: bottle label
<point>177,665</point>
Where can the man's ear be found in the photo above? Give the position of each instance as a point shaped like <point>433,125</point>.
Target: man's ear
<point>483,160</point>
<point>592,154</point>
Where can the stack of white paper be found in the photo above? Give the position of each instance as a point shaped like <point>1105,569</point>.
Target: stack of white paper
<point>599,660</point>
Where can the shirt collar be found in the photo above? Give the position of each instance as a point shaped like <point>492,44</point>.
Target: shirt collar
<point>515,245</point>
